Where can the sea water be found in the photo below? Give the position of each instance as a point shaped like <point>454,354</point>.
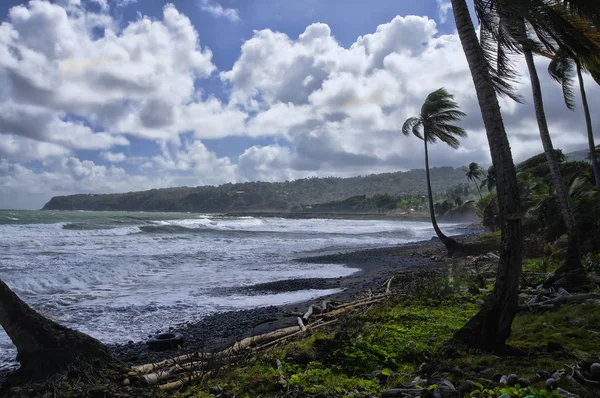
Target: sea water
<point>119,276</point>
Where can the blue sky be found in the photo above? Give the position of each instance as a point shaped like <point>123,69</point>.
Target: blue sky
<point>120,95</point>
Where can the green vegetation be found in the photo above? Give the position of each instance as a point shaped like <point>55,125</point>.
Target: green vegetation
<point>263,196</point>
<point>541,223</point>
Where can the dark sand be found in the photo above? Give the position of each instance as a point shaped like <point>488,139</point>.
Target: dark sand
<point>217,331</point>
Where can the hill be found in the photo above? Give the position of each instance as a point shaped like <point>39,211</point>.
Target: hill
<point>263,196</point>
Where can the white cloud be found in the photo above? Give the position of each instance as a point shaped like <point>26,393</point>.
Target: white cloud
<point>137,81</point>
<point>194,162</point>
<point>341,109</point>
<point>218,11</point>
<point>445,7</point>
<point>114,157</point>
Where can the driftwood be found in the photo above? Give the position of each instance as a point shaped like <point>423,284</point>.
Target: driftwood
<point>179,371</point>
<point>261,338</point>
<point>389,283</point>
<point>301,324</point>
<point>559,300</point>
<point>174,385</point>
<point>164,374</point>
<point>308,313</point>
<point>581,379</point>
<point>289,336</point>
<point>143,369</point>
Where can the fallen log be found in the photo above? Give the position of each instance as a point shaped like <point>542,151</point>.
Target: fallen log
<point>143,369</point>
<point>301,324</point>
<point>387,289</point>
<point>582,380</point>
<point>174,385</point>
<point>282,339</point>
<point>308,313</point>
<point>164,374</point>
<point>248,341</point>
<point>564,299</point>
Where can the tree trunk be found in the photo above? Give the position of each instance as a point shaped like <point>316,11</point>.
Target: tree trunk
<point>451,245</point>
<point>571,273</point>
<point>478,189</point>
<point>491,326</point>
<point>588,123</point>
<point>43,346</point>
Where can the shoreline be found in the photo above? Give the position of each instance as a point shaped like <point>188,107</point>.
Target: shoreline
<point>217,331</point>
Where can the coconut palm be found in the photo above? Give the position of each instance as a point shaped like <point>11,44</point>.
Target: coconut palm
<point>474,174</point>
<point>561,69</point>
<point>537,26</point>
<point>435,123</point>
<point>491,326</point>
<point>489,182</point>
<point>45,347</point>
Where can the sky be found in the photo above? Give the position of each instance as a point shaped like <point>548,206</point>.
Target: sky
<point>103,96</point>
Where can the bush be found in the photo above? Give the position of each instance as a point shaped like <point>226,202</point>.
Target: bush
<point>591,262</point>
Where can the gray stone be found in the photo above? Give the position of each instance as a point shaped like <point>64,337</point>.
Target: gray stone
<point>550,383</point>
<point>595,369</point>
<point>465,387</point>
<point>445,390</point>
<point>512,380</point>
<point>523,382</point>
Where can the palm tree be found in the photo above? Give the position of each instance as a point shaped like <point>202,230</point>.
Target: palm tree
<point>474,174</point>
<point>491,326</point>
<point>434,123</point>
<point>528,27</point>
<point>489,182</point>
<point>43,346</point>
<point>561,69</point>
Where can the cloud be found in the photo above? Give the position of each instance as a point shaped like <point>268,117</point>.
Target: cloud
<point>444,6</point>
<point>340,109</point>
<point>218,11</point>
<point>114,157</point>
<point>137,81</point>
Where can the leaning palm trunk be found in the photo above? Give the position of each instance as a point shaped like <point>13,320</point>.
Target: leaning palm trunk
<point>43,346</point>
<point>491,326</point>
<point>588,123</point>
<point>571,274</point>
<point>451,245</point>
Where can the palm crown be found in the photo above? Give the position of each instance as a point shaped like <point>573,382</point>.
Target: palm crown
<point>435,121</point>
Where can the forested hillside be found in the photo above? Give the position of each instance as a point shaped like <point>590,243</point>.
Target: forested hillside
<point>263,196</point>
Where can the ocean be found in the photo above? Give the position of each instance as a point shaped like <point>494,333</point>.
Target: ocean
<point>119,276</point>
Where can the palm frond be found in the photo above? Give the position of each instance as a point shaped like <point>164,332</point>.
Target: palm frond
<point>588,9</point>
<point>438,113</point>
<point>411,125</point>
<point>562,69</point>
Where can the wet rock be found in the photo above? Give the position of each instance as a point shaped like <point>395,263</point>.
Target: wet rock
<point>565,393</point>
<point>445,390</point>
<point>595,370</point>
<point>543,374</point>
<point>465,387</point>
<point>523,382</point>
<point>503,381</point>
<point>550,383</point>
<point>512,380</point>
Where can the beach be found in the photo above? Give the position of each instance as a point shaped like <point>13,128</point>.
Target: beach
<point>408,263</point>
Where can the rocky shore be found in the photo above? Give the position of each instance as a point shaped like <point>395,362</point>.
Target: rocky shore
<point>217,331</point>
